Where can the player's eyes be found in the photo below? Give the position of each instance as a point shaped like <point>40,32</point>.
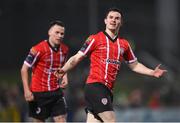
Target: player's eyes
<point>110,17</point>
<point>117,18</point>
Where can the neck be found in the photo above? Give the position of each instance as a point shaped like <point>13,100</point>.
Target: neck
<point>112,34</point>
<point>52,44</point>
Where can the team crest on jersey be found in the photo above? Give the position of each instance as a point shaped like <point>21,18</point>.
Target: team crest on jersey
<point>104,101</point>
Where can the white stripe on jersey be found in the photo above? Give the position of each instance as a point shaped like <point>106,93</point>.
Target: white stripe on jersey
<point>107,57</point>
<point>35,59</point>
<point>119,51</point>
<point>50,68</point>
<point>60,62</point>
<point>61,57</point>
<point>25,62</point>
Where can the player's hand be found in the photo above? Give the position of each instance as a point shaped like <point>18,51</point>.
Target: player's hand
<point>158,72</point>
<point>64,82</point>
<point>59,73</point>
<point>28,95</point>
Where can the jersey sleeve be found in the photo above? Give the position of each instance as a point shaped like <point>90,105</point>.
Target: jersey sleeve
<point>129,54</point>
<point>32,57</point>
<point>88,46</point>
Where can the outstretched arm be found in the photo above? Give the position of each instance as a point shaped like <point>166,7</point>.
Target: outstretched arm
<point>72,62</point>
<point>140,68</point>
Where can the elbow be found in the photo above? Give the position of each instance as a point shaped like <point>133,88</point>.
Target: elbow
<point>133,66</point>
<point>24,69</point>
<point>21,70</point>
<point>75,60</point>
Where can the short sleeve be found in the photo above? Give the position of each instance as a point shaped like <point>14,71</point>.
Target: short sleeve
<point>32,57</point>
<point>88,46</point>
<point>129,54</point>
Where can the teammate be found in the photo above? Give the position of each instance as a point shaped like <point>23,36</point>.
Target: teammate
<point>106,51</point>
<point>44,95</point>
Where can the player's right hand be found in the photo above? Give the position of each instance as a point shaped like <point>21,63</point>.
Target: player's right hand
<point>28,95</point>
<point>59,73</point>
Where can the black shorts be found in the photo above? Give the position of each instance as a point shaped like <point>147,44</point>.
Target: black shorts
<point>98,98</point>
<point>47,104</point>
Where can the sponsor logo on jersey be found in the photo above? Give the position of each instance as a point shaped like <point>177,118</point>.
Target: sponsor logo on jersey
<point>112,61</point>
<point>52,70</point>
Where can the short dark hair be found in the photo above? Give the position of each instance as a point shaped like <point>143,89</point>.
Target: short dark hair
<point>56,22</point>
<point>114,9</point>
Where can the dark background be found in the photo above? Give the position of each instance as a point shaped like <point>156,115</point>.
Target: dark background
<point>25,22</point>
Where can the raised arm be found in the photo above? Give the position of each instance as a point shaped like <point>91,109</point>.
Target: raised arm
<point>140,68</point>
<point>71,63</point>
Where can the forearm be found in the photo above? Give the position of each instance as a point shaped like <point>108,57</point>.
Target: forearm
<point>71,63</point>
<point>25,79</point>
<point>141,69</point>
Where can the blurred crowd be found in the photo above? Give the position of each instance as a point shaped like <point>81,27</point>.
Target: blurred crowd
<point>12,104</point>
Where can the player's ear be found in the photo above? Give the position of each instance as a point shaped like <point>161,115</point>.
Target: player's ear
<point>49,31</point>
<point>105,21</point>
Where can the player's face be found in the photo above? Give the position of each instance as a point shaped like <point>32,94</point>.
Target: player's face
<point>56,34</point>
<point>113,21</point>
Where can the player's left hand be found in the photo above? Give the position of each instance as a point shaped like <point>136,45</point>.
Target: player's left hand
<point>158,72</point>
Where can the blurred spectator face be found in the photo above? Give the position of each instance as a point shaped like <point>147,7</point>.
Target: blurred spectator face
<point>135,98</point>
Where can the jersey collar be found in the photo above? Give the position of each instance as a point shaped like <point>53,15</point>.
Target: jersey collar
<point>110,37</point>
<point>55,49</point>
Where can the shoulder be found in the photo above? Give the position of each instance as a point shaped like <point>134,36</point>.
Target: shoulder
<point>124,41</point>
<point>40,46</point>
<point>95,36</point>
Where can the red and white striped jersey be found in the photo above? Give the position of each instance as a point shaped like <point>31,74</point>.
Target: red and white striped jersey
<point>44,60</point>
<point>106,56</point>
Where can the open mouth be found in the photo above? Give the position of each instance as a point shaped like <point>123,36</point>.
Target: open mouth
<point>113,24</point>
